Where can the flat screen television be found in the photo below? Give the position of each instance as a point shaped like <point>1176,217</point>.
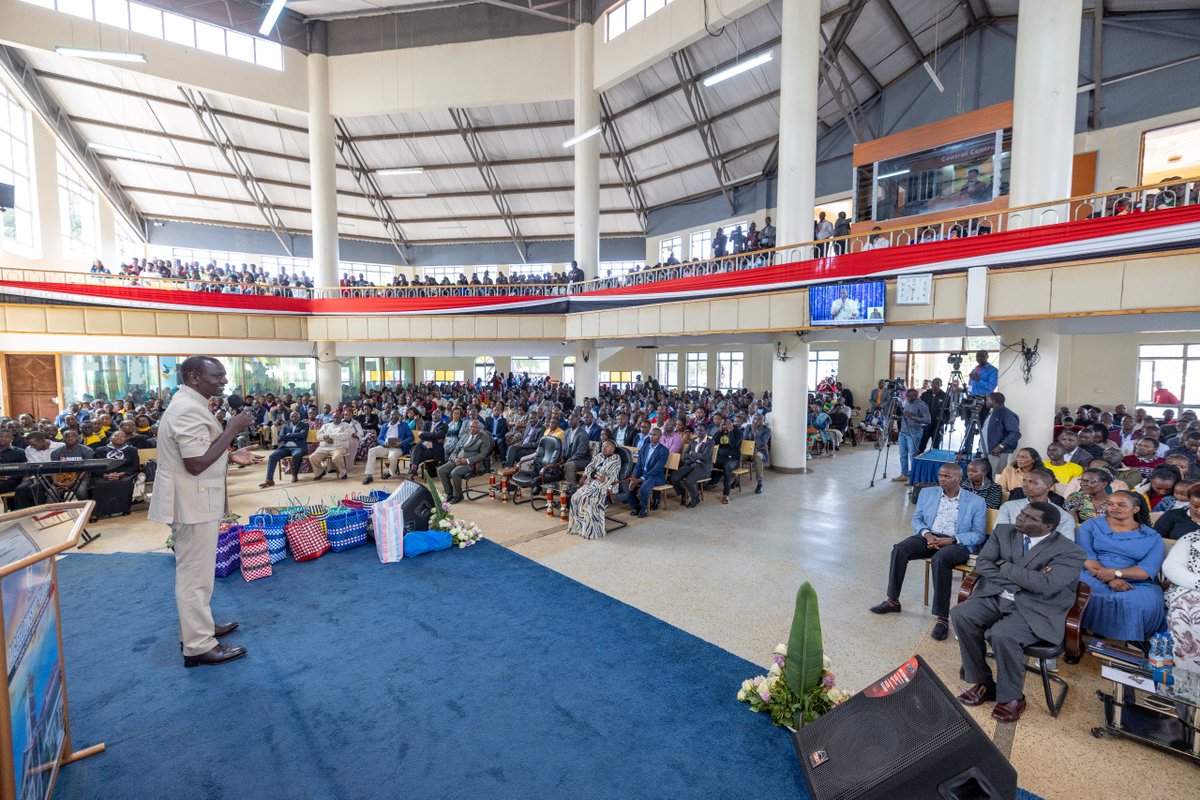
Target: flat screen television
<point>858,304</point>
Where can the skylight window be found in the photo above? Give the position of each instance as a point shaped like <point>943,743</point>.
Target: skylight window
<point>625,15</point>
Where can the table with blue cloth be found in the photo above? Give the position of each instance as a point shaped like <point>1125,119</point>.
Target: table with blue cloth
<point>925,466</point>
<point>1134,615</point>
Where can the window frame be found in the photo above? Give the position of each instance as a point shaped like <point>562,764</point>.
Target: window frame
<point>695,364</point>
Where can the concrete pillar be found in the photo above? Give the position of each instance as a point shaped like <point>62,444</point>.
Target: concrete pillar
<point>798,56</point>
<point>48,236</point>
<point>1044,95</point>
<point>1034,402</point>
<point>329,375</point>
<point>587,371</point>
<point>587,155</point>
<point>322,174</point>
<point>789,409</point>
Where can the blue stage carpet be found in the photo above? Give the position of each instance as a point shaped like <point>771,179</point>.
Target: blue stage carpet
<point>476,674</point>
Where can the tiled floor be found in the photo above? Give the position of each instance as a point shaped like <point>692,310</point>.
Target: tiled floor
<point>728,574</point>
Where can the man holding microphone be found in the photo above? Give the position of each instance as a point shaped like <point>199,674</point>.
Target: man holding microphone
<point>190,496</point>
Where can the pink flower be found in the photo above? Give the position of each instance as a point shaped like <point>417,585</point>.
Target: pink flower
<point>778,660</point>
<point>764,694</point>
<point>828,681</point>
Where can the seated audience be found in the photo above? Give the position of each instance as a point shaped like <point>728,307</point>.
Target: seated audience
<point>10,455</point>
<point>577,451</point>
<point>598,478</point>
<point>1124,555</point>
<point>1064,471</point>
<point>472,449</point>
<point>758,432</point>
<point>1182,568</point>
<point>649,472</point>
<point>948,526</point>
<point>1028,577</point>
<point>729,454</point>
<point>1144,457</point>
<point>695,465</point>
<point>1035,488</point>
<point>1024,461</point>
<point>1095,485</point>
<point>293,443</point>
<point>1184,518</point>
<point>113,490</point>
<point>332,448</point>
<point>979,482</point>
<point>1159,489</point>
<point>533,431</point>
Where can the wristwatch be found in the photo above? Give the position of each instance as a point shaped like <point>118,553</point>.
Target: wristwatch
<point>1117,573</point>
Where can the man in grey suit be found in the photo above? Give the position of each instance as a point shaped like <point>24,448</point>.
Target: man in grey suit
<point>190,496</point>
<point>695,465</point>
<point>577,451</point>
<point>472,448</point>
<point>1028,577</point>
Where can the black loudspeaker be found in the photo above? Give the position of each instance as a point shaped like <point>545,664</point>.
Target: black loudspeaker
<point>905,736</point>
<point>417,504</point>
<point>8,196</point>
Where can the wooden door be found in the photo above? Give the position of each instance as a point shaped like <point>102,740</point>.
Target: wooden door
<point>32,383</point>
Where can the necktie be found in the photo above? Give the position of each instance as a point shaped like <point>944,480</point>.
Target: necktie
<point>1027,543</point>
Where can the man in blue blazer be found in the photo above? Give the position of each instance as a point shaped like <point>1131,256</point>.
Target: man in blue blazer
<point>651,471</point>
<point>1000,433</point>
<point>497,427</point>
<point>591,426</point>
<point>948,526</point>
<point>394,440</point>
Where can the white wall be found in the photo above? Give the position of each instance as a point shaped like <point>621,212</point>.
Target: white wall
<point>1119,161</point>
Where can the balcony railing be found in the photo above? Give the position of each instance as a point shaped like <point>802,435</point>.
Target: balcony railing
<point>1138,200</point>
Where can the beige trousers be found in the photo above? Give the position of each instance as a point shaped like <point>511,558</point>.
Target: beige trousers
<point>320,460</point>
<point>392,454</point>
<point>195,570</point>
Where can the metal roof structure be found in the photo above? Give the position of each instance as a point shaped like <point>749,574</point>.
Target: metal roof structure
<point>499,174</point>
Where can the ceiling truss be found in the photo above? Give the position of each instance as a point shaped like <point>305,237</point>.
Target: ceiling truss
<point>612,138</point>
<point>463,121</point>
<point>704,126</point>
<point>365,179</point>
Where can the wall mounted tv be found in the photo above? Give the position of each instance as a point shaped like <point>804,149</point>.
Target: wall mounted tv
<point>860,304</point>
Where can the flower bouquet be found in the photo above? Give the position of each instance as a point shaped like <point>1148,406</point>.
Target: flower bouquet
<point>465,533</point>
<point>799,686</point>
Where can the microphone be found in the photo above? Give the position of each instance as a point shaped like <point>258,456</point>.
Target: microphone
<point>236,403</point>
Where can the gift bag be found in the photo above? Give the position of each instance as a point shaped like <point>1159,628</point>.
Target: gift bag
<point>306,538</point>
<point>387,520</point>
<point>272,526</point>
<point>347,529</point>
<point>229,551</point>
<point>255,560</point>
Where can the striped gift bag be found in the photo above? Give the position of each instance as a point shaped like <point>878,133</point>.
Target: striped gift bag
<point>272,526</point>
<point>347,530</point>
<point>387,518</point>
<point>256,561</point>
<point>229,551</point>
<point>306,538</point>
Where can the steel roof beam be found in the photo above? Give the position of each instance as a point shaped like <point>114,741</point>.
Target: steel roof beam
<point>704,127</point>
<point>612,138</point>
<point>462,121</point>
<point>530,9</point>
<point>1094,117</point>
<point>370,188</point>
<point>46,106</point>
<point>220,138</point>
<point>902,29</point>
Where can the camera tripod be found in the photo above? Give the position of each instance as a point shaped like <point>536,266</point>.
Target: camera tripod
<point>884,449</point>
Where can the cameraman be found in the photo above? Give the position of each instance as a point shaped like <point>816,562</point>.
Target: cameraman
<point>914,417</point>
<point>938,402</point>
<point>985,376</point>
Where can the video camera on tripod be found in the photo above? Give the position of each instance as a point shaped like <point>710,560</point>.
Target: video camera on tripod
<point>971,406</point>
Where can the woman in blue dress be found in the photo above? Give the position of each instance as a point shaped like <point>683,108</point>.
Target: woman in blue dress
<point>1124,556</point>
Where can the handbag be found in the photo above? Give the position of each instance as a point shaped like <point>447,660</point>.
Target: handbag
<point>347,530</point>
<point>306,538</point>
<point>272,526</point>
<point>256,561</point>
<point>229,551</point>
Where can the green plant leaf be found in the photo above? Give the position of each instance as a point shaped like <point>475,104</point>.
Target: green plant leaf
<point>437,498</point>
<point>805,660</point>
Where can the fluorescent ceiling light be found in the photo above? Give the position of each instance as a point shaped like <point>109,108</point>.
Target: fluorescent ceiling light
<point>408,194</point>
<point>383,173</point>
<point>272,15</point>
<point>574,140</point>
<point>892,174</point>
<point>933,76</point>
<point>739,68</point>
<point>123,152</point>
<point>101,55</point>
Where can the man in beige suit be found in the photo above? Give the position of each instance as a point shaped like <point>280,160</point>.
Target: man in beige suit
<point>189,495</point>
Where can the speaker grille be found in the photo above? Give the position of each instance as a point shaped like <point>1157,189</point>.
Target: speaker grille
<point>868,739</point>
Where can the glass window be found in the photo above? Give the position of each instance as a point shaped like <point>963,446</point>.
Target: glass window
<point>536,366</point>
<point>76,8</point>
<point>700,245</point>
<point>635,12</point>
<point>373,274</point>
<point>444,375</point>
<point>1162,375</point>
<point>941,178</point>
<point>821,364</point>
<point>77,211</point>
<point>42,3</point>
<point>113,12</point>
<point>666,370</point>
<point>530,269</point>
<point>568,370</point>
<point>617,377</point>
<point>179,30</point>
<point>1169,153</point>
<point>210,38</point>
<point>351,378</point>
<point>485,367</point>
<point>437,273</point>
<point>668,248</point>
<point>239,46</point>
<point>278,375</point>
<point>145,20</point>
<point>268,54</point>
<point>88,377</point>
<point>16,224</point>
<point>730,370</point>
<point>616,22</point>
<point>617,269</point>
<point>697,371</point>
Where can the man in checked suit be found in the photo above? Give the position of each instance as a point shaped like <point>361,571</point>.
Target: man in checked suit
<point>1028,577</point>
<point>189,495</point>
<point>651,471</point>
<point>472,448</point>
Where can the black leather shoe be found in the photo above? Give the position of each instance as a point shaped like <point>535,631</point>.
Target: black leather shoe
<point>367,480</point>
<point>225,629</point>
<point>387,476</point>
<point>694,503</point>
<point>758,489</point>
<point>218,655</point>
<point>940,631</point>
<point>318,477</point>
<point>655,505</point>
<point>886,607</point>
<point>454,500</point>
<point>642,514</point>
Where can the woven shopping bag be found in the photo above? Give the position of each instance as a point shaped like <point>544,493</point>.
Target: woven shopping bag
<point>229,551</point>
<point>347,529</point>
<point>256,561</point>
<point>272,526</point>
<point>306,538</point>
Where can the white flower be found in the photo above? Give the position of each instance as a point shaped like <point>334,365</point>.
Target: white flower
<point>742,695</point>
<point>774,670</point>
<point>781,649</point>
<point>828,662</point>
<point>747,684</point>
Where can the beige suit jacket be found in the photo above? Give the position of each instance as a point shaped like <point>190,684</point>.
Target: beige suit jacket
<point>187,429</point>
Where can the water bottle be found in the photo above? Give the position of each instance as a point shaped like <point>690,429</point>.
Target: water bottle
<point>1156,659</point>
<point>1168,649</point>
